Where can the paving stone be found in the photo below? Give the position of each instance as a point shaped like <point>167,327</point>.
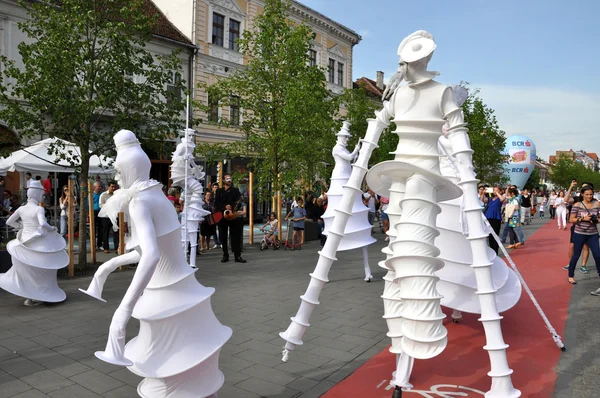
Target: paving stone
<point>5,353</point>
<point>333,353</point>
<point>126,377</point>
<point>64,366</point>
<point>269,374</point>
<point>266,389</point>
<point>20,366</point>
<point>75,391</point>
<point>230,391</point>
<point>99,365</point>
<point>28,331</point>
<point>96,381</point>
<point>11,386</point>
<point>303,384</point>
<point>17,343</point>
<point>122,392</point>
<point>236,363</point>
<point>5,333</point>
<point>73,351</point>
<point>38,354</point>
<point>46,381</point>
<point>31,394</point>
<point>50,340</point>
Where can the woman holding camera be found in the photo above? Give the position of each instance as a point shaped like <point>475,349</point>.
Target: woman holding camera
<point>584,215</point>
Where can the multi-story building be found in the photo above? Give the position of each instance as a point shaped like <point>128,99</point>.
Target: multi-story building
<point>215,27</point>
<point>588,159</point>
<point>166,39</point>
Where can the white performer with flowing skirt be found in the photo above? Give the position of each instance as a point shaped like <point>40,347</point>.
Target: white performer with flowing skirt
<point>193,213</point>
<point>37,253</point>
<point>358,231</point>
<point>457,280</point>
<point>179,342</point>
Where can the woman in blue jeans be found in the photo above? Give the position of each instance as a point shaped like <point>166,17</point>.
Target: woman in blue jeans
<point>585,217</point>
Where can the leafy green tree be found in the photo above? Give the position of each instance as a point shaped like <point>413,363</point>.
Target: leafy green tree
<point>565,169</point>
<point>361,106</point>
<point>77,80</point>
<point>287,111</point>
<point>487,139</point>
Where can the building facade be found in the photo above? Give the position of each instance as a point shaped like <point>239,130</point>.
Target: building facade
<point>219,23</point>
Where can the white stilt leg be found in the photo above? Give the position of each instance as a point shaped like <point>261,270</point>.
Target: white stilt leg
<point>456,316</point>
<point>404,365</point>
<point>368,275</point>
<point>193,247</point>
<point>495,346</point>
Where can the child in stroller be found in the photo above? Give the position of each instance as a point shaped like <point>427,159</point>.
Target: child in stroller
<point>271,234</point>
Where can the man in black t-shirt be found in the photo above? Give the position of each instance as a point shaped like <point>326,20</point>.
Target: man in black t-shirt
<point>230,198</point>
<point>586,249</point>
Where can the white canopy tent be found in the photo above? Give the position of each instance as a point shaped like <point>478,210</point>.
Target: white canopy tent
<point>36,158</point>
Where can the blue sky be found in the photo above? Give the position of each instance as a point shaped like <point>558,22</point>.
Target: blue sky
<point>536,62</point>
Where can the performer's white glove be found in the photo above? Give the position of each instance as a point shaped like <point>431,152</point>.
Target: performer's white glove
<point>115,347</point>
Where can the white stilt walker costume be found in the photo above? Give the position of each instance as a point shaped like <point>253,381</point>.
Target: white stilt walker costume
<point>414,185</point>
<point>37,253</point>
<point>358,230</point>
<point>457,280</point>
<point>177,349</point>
<point>183,168</point>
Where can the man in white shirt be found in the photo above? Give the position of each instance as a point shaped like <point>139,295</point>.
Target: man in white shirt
<point>370,200</point>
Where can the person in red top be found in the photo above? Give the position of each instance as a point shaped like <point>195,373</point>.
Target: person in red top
<point>47,183</point>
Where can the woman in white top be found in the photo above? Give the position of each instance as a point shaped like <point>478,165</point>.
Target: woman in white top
<point>561,210</point>
<point>64,205</point>
<point>552,203</point>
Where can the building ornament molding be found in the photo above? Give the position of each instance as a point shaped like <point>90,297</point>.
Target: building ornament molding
<point>228,8</point>
<point>336,53</point>
<point>335,89</point>
<point>225,54</point>
<point>323,24</point>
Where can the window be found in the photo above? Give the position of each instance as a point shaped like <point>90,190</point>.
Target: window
<point>213,111</point>
<point>234,34</point>
<point>331,70</point>
<point>312,56</point>
<point>173,89</point>
<point>218,29</point>
<point>340,74</point>
<point>234,111</point>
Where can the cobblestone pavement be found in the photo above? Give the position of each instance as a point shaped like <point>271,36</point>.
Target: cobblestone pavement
<point>47,351</point>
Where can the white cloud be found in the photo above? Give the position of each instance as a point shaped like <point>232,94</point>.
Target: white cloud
<point>554,118</point>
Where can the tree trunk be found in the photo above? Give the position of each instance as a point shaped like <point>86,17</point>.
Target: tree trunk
<point>83,200</point>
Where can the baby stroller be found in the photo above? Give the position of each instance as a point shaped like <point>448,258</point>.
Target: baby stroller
<point>272,241</point>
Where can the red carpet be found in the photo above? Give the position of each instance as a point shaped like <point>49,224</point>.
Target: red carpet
<point>532,354</point>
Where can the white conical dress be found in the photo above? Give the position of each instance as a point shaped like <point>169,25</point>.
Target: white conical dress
<point>36,256</point>
<point>457,279</point>
<point>180,338</point>
<point>358,230</point>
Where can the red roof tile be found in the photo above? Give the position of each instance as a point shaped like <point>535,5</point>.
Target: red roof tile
<point>370,86</point>
<point>164,28</point>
